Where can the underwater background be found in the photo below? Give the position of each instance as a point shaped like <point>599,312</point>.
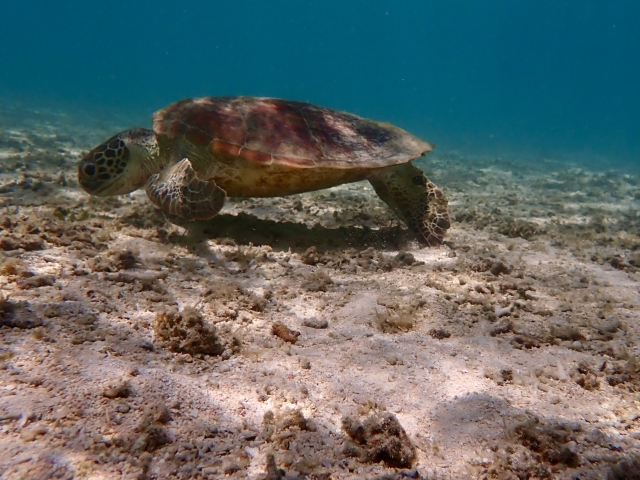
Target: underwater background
<point>311,335</point>
<point>534,79</point>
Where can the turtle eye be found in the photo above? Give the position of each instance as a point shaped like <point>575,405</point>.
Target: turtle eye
<point>419,180</point>
<point>89,169</point>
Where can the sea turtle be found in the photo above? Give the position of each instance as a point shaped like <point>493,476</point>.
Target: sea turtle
<point>202,150</point>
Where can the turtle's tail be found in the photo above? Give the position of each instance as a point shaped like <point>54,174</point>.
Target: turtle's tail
<point>417,201</point>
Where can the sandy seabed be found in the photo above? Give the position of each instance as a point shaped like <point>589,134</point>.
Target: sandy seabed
<point>310,336</point>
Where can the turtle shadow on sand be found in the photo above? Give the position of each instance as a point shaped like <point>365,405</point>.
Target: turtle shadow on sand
<point>245,229</point>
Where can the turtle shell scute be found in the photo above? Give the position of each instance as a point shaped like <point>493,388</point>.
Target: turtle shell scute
<point>291,133</point>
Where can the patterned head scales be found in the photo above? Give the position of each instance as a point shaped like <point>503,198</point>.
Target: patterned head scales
<point>103,171</point>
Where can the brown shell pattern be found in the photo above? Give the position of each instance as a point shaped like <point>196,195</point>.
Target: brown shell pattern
<point>296,134</point>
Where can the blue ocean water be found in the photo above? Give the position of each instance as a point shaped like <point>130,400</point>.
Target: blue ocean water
<point>544,78</point>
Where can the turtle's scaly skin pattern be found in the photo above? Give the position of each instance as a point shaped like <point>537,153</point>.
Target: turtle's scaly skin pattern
<point>415,199</point>
<point>106,160</point>
<point>120,165</point>
<point>178,191</point>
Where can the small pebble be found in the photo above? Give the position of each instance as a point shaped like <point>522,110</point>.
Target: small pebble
<point>285,333</point>
<point>319,323</point>
<point>121,390</point>
<point>392,360</point>
<point>33,433</point>
<point>147,345</point>
<point>501,312</point>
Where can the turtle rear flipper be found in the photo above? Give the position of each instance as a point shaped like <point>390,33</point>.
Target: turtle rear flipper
<point>417,201</point>
<point>177,190</point>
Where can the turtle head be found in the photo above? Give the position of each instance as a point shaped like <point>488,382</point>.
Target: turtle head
<point>120,165</point>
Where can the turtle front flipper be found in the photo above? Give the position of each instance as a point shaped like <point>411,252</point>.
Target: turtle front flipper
<point>177,190</point>
<point>417,201</point>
